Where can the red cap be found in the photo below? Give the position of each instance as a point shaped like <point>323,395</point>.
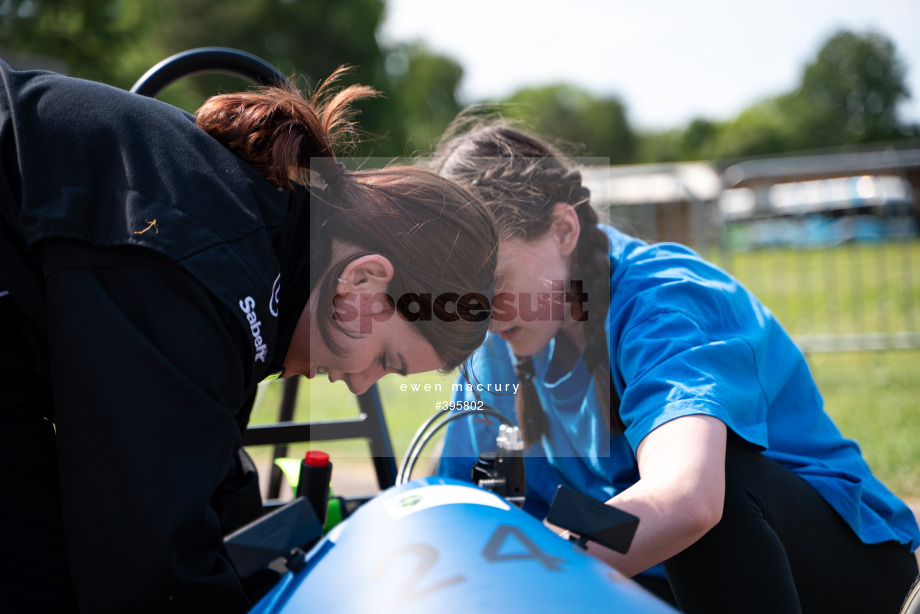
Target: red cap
<point>315,458</point>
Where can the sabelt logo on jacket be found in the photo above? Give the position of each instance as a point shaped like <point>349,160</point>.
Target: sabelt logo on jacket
<point>274,301</point>
<point>248,305</point>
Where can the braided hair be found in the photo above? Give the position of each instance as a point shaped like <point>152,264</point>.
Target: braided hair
<point>522,178</point>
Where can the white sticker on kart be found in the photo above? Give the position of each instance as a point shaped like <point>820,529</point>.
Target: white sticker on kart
<point>426,497</point>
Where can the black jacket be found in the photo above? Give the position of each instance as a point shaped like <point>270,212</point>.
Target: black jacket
<point>144,261</point>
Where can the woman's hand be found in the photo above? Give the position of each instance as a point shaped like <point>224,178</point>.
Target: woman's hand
<point>679,495</point>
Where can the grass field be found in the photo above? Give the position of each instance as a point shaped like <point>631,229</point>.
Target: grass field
<point>853,288</point>
<point>873,396</point>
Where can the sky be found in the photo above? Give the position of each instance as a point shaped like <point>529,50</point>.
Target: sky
<point>669,61</point>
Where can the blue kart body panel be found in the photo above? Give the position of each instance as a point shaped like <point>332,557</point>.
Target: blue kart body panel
<point>441,545</point>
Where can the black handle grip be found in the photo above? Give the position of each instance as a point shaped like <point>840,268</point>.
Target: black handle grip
<point>204,60</point>
<point>592,519</point>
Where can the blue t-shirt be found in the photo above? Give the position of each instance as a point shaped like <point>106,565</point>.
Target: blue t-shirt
<point>684,337</point>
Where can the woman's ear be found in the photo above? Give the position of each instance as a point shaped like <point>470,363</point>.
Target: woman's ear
<point>566,228</point>
<point>371,273</point>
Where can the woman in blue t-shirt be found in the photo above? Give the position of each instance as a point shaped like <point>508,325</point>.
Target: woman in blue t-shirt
<point>653,380</point>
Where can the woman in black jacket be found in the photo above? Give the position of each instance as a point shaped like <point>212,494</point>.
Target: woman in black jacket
<point>154,268</point>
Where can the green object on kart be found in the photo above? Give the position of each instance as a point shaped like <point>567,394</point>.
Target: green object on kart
<point>290,467</point>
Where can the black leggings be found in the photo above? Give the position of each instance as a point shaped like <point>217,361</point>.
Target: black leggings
<point>781,549</point>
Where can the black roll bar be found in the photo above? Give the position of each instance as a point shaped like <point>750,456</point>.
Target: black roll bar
<point>207,60</point>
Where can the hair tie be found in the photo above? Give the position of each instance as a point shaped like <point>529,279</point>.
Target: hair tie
<point>329,171</point>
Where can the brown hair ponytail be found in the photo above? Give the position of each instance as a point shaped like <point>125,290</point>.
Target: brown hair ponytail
<point>279,131</point>
<point>527,406</point>
<point>521,179</point>
<point>592,262</point>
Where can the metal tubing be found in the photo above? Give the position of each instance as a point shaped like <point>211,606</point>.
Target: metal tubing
<point>204,60</point>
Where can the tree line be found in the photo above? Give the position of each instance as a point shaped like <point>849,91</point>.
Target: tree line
<point>847,95</point>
